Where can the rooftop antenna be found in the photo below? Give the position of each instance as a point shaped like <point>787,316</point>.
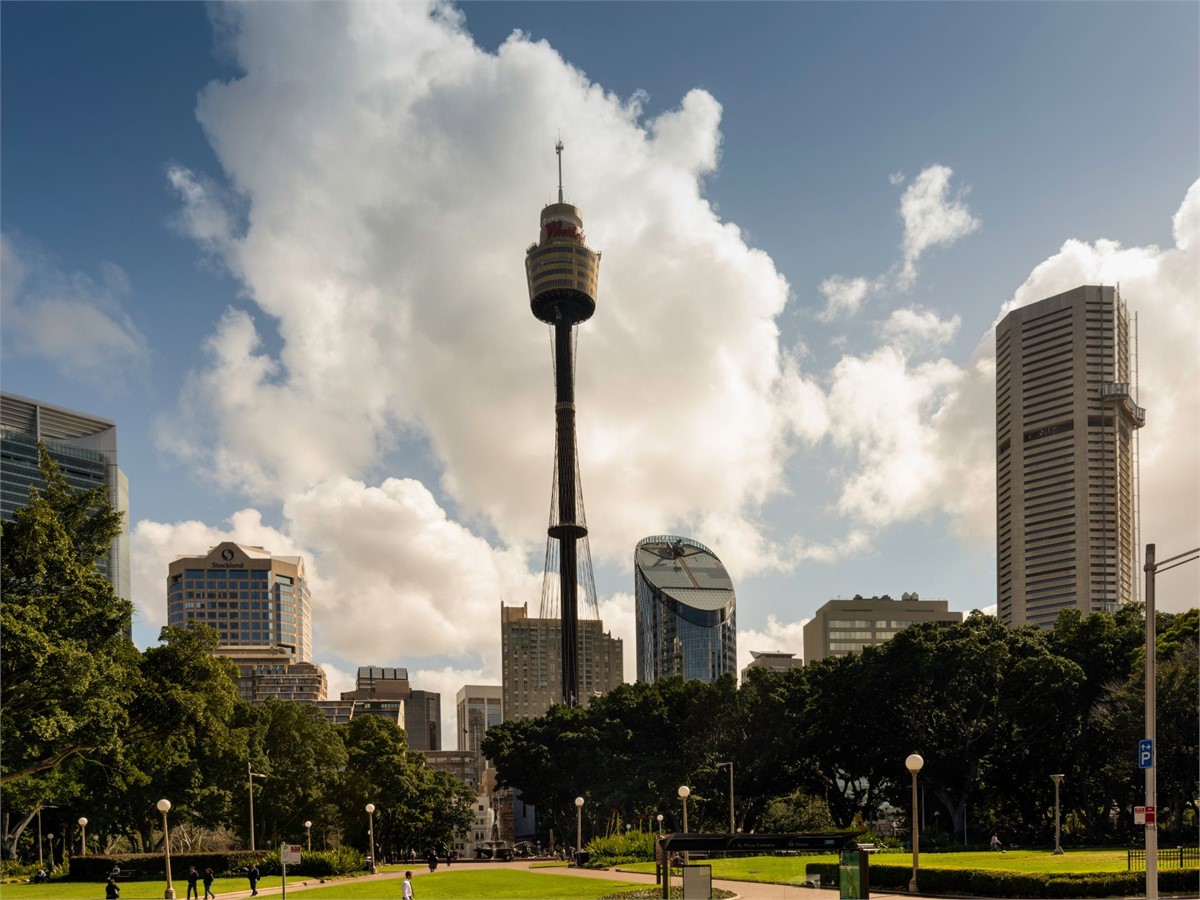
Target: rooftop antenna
<point>558,148</point>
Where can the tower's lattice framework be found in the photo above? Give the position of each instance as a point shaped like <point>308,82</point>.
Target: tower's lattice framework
<point>563,273</point>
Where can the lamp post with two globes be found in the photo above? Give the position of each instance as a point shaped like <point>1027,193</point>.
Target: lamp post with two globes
<point>913,763</point>
<point>164,807</point>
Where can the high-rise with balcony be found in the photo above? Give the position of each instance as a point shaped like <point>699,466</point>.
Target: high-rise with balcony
<point>1066,423</point>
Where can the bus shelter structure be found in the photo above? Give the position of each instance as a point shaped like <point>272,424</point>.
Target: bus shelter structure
<point>748,845</point>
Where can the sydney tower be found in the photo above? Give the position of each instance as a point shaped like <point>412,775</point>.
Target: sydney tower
<point>563,273</point>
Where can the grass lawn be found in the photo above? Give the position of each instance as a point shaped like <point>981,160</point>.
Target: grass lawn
<point>500,884</point>
<point>790,869</point>
<point>130,890</point>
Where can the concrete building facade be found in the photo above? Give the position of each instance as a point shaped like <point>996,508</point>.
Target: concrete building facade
<point>270,673</point>
<point>479,707</point>
<point>531,664</point>
<point>1066,423</point>
<point>847,626</point>
<point>254,600</point>
<point>772,661</point>
<point>85,449</point>
<point>685,611</point>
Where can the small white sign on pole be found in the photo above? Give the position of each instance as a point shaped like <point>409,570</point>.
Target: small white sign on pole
<point>1139,815</point>
<point>289,854</point>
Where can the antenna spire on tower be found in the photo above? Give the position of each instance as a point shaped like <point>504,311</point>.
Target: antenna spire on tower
<point>558,148</point>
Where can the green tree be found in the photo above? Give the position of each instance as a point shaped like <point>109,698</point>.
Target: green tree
<point>67,669</point>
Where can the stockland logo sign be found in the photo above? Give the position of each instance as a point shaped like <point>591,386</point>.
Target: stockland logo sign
<point>227,557</point>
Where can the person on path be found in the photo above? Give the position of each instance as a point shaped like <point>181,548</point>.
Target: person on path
<point>253,876</point>
<point>996,843</point>
<point>433,861</point>
<point>406,891</point>
<point>193,883</point>
<point>208,880</point>
<point>112,890</point>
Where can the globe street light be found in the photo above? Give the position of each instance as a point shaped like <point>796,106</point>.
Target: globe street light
<point>684,791</point>
<point>164,807</point>
<point>371,832</point>
<point>914,764</point>
<point>722,765</point>
<point>659,824</point>
<point>308,828</point>
<point>578,828</point>
<point>83,835</point>
<point>1057,822</point>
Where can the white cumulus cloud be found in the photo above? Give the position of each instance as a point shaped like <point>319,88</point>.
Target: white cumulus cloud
<point>931,216</point>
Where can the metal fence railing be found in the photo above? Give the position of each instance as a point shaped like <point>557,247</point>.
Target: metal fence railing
<point>1168,858</point>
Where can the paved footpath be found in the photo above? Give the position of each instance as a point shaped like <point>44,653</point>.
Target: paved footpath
<point>745,890</point>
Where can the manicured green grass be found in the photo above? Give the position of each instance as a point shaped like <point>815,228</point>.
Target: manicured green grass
<point>130,890</point>
<point>791,869</point>
<point>500,884</point>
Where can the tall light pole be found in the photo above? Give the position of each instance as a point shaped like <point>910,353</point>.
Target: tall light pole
<point>308,828</point>
<point>914,763</point>
<point>578,828</point>
<point>250,776</point>
<point>1057,820</point>
<point>732,825</point>
<point>83,835</point>
<point>164,807</point>
<point>371,832</point>
<point>659,817</point>
<point>1152,568</point>
<point>684,793</point>
<point>41,859</point>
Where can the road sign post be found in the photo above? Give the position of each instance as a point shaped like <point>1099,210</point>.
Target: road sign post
<point>288,854</point>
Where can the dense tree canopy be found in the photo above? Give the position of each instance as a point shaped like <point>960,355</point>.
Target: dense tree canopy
<point>993,710</point>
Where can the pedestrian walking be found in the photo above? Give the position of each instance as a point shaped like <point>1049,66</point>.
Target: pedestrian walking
<point>193,883</point>
<point>112,891</point>
<point>208,880</point>
<point>406,891</point>
<point>253,876</point>
<point>996,843</point>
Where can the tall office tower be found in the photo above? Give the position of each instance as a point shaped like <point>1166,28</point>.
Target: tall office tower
<point>253,599</point>
<point>563,273</point>
<point>530,666</point>
<point>85,449</point>
<point>423,720</point>
<point>1066,415</point>
<point>480,706</point>
<point>685,611</point>
<point>847,626</point>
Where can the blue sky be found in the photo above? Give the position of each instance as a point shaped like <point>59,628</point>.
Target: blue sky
<point>282,247</point>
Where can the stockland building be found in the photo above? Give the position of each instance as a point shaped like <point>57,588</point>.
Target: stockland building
<point>260,606</point>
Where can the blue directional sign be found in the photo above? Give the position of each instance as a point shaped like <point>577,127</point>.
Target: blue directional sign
<point>1145,754</point>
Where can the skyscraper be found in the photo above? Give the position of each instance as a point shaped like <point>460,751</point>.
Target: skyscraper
<point>480,706</point>
<point>85,448</point>
<point>685,611</point>
<point>563,273</point>
<point>1066,417</point>
<point>252,599</point>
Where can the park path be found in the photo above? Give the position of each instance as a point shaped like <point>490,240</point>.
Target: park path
<point>745,890</point>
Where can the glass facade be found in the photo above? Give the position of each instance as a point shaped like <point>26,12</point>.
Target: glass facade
<point>685,611</point>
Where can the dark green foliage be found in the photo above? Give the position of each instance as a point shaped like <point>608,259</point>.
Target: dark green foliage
<point>152,866</point>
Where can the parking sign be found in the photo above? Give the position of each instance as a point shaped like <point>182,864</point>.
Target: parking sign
<point>1145,753</point>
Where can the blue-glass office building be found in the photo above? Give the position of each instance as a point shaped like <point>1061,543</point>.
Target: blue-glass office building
<point>685,611</point>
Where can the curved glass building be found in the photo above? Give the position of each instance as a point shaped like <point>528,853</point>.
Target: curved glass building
<point>685,610</point>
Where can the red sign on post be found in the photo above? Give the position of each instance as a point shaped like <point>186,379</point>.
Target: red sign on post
<point>1143,815</point>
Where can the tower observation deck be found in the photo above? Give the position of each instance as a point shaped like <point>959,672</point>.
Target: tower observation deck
<point>563,273</point>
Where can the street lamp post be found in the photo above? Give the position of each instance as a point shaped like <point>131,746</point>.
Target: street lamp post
<point>371,832</point>
<point>684,793</point>
<point>250,776</point>
<point>1152,568</point>
<point>914,763</point>
<point>308,828</point>
<point>164,807</point>
<point>578,828</point>
<point>50,838</point>
<point>732,826</point>
<point>1057,820</point>
<point>83,835</point>
<point>659,817</point>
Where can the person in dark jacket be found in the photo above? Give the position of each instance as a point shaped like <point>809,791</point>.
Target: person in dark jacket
<point>111,890</point>
<point>253,876</point>
<point>193,883</point>
<point>208,880</point>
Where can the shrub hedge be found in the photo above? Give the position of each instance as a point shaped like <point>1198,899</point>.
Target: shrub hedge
<point>149,866</point>
<point>990,883</point>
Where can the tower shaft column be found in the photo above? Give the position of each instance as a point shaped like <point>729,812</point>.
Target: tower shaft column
<point>569,528</point>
